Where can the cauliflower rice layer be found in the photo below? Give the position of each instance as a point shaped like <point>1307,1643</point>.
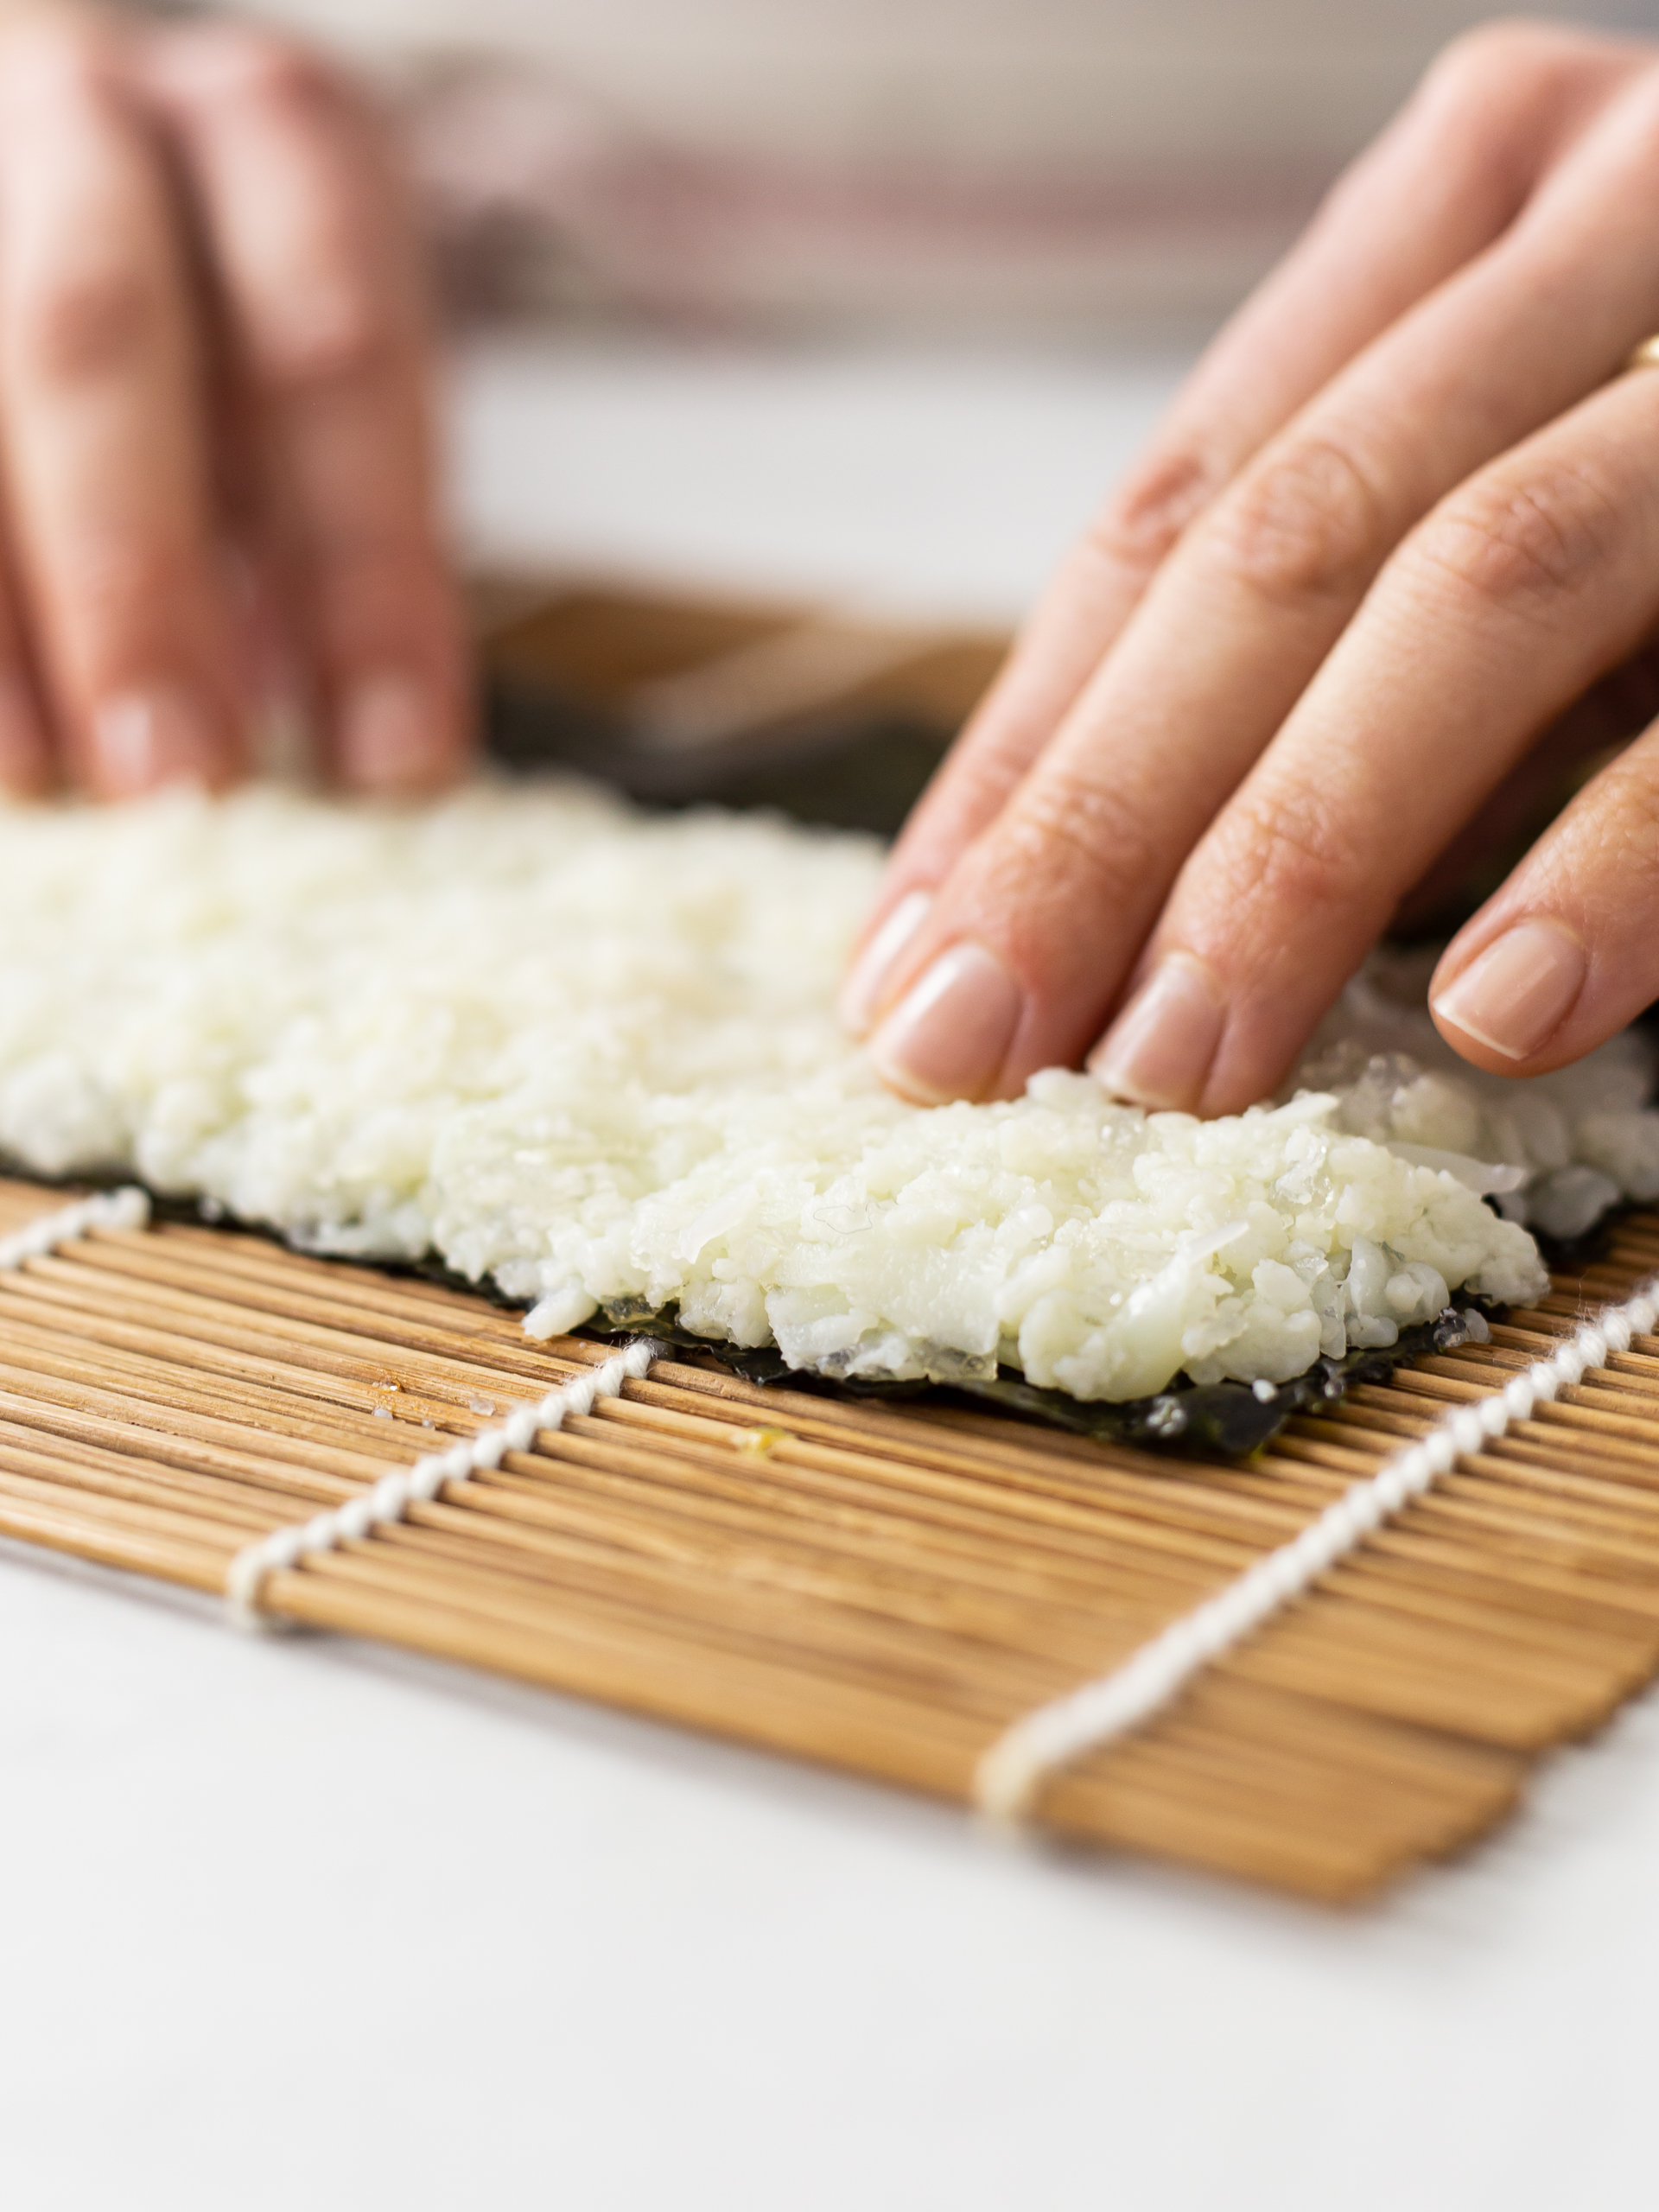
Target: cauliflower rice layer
<point>593,1055</point>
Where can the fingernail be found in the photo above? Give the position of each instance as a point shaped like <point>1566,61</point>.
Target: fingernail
<point>1516,994</point>
<point>949,1035</point>
<point>390,737</point>
<point>143,739</point>
<point>1158,1051</point>
<point>862,984</point>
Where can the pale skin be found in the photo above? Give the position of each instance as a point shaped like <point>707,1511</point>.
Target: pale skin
<point>219,489</point>
<point>1395,547</point>
<point>1396,544</point>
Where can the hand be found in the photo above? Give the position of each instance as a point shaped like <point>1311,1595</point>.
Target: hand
<point>1404,514</point>
<point>218,470</point>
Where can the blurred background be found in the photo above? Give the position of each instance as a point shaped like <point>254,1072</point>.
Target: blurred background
<point>1057,168</point>
<point>848,311</point>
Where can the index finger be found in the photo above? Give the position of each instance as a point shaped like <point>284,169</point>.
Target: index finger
<point>314,253</point>
<point>1519,591</point>
<point>1463,156</point>
<point>1057,895</point>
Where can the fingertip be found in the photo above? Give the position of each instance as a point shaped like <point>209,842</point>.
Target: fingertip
<point>146,739</point>
<point>1500,1008</point>
<point>1159,1052</point>
<point>396,738</point>
<point>861,992</point>
<point>951,1034</point>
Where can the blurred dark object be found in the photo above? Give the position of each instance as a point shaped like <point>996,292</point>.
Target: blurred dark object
<point>831,720</point>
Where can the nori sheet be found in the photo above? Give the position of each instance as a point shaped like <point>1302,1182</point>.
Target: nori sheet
<point>1233,1419</point>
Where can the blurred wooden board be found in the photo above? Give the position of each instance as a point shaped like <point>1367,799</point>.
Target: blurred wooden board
<point>832,718</point>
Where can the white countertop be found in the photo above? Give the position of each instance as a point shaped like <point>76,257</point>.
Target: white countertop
<point>924,483</point>
<point>295,1922</point>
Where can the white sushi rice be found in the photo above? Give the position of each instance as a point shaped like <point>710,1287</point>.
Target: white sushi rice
<point>593,1055</point>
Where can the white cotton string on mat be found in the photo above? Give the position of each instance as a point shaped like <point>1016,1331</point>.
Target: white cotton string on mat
<point>396,1491</point>
<point>1011,1776</point>
<point>124,1209</point>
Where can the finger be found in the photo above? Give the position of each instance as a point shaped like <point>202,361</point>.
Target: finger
<point>102,421</point>
<point>1564,956</point>
<point>1512,599</point>
<point>28,756</point>
<point>1537,790</point>
<point>1062,888</point>
<point>313,250</point>
<point>1463,156</point>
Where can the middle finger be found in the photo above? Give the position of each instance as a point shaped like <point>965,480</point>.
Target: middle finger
<point>302,216</point>
<point>1516,594</point>
<point>1031,940</point>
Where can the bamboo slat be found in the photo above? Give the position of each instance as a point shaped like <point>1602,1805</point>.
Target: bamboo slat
<point>883,1587</point>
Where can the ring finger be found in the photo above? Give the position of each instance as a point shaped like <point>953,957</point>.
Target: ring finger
<point>1523,588</point>
<point>1466,154</point>
<point>1034,936</point>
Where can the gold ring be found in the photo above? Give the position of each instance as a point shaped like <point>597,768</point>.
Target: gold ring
<point>1644,356</point>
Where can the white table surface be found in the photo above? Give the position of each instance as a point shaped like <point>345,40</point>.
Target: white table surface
<point>295,1922</point>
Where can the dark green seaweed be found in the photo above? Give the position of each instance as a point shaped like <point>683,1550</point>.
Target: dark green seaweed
<point>1233,1419</point>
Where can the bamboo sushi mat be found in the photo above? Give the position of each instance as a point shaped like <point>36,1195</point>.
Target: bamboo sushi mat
<point>881,1587</point>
